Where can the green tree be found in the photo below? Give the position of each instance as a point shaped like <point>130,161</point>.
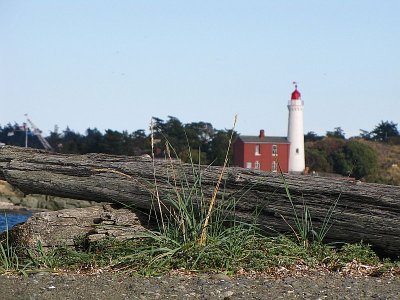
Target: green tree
<point>340,156</point>
<point>340,163</point>
<point>93,141</point>
<point>311,136</point>
<point>364,134</point>
<point>55,140</point>
<point>219,145</point>
<point>384,130</point>
<point>71,142</point>
<point>317,160</point>
<point>171,132</point>
<point>113,142</point>
<point>199,135</point>
<point>138,143</point>
<point>195,136</point>
<point>363,158</point>
<point>10,136</point>
<point>337,133</point>
<point>195,156</point>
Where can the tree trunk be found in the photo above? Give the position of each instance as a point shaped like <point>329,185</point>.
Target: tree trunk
<point>368,212</point>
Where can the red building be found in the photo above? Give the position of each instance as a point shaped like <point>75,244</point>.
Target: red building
<point>261,152</point>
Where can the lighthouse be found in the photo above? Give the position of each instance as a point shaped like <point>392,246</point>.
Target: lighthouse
<point>296,133</point>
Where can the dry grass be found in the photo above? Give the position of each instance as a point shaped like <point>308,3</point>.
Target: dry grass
<point>7,190</point>
<point>388,170</point>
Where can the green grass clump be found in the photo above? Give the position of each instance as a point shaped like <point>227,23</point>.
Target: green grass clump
<point>9,260</point>
<point>361,252</point>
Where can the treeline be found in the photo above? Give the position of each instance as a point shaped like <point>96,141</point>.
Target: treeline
<point>385,131</point>
<point>190,142</point>
<point>201,142</point>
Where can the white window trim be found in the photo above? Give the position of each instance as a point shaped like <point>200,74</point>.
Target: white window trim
<point>275,153</point>
<point>257,150</point>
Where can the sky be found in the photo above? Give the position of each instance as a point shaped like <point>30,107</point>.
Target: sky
<point>116,64</point>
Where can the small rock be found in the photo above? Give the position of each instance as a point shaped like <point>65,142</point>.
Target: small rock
<point>96,237</point>
<point>227,295</point>
<point>220,277</point>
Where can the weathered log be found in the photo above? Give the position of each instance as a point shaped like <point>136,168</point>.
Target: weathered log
<point>368,212</point>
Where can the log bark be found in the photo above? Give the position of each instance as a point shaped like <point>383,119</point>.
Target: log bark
<point>368,212</point>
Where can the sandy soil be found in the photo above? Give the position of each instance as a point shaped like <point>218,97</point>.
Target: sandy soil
<point>121,286</point>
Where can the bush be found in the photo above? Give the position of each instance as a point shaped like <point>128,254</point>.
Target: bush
<point>316,160</point>
<point>363,158</point>
<point>348,158</point>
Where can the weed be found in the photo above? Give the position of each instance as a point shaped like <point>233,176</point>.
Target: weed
<point>42,259</point>
<point>304,230</point>
<point>195,233</point>
<point>361,252</point>
<point>9,260</point>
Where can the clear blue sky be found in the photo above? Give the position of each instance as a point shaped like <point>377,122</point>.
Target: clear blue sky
<point>115,64</point>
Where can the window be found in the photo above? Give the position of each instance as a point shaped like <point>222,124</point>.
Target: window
<point>297,151</point>
<point>257,152</point>
<point>274,166</point>
<point>248,165</point>
<point>274,150</point>
<point>257,165</point>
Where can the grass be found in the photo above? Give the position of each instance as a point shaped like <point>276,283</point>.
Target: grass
<point>9,260</point>
<point>304,229</point>
<point>231,249</point>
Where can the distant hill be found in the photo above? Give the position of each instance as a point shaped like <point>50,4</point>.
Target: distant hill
<point>388,170</point>
<point>369,161</point>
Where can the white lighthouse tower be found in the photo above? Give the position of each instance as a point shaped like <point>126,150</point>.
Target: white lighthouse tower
<point>296,133</point>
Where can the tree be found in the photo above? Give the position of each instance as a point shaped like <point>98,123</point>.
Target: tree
<point>55,139</point>
<point>139,143</point>
<point>363,158</point>
<point>194,137</point>
<point>9,136</point>
<point>317,160</point>
<point>219,146</point>
<point>384,130</point>
<point>199,134</point>
<point>311,136</point>
<point>340,163</point>
<point>113,142</point>
<point>337,133</point>
<point>71,142</point>
<point>348,158</point>
<point>364,134</point>
<point>171,132</point>
<point>92,142</point>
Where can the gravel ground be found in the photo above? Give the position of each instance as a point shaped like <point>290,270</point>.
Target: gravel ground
<point>205,286</point>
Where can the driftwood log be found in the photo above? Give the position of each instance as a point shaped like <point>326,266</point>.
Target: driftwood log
<point>367,212</point>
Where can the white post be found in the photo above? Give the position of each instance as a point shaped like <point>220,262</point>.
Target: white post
<point>26,135</point>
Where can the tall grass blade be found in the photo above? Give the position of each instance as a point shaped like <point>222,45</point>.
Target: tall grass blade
<point>203,235</point>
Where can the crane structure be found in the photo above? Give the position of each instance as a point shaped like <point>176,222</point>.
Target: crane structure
<point>36,131</point>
